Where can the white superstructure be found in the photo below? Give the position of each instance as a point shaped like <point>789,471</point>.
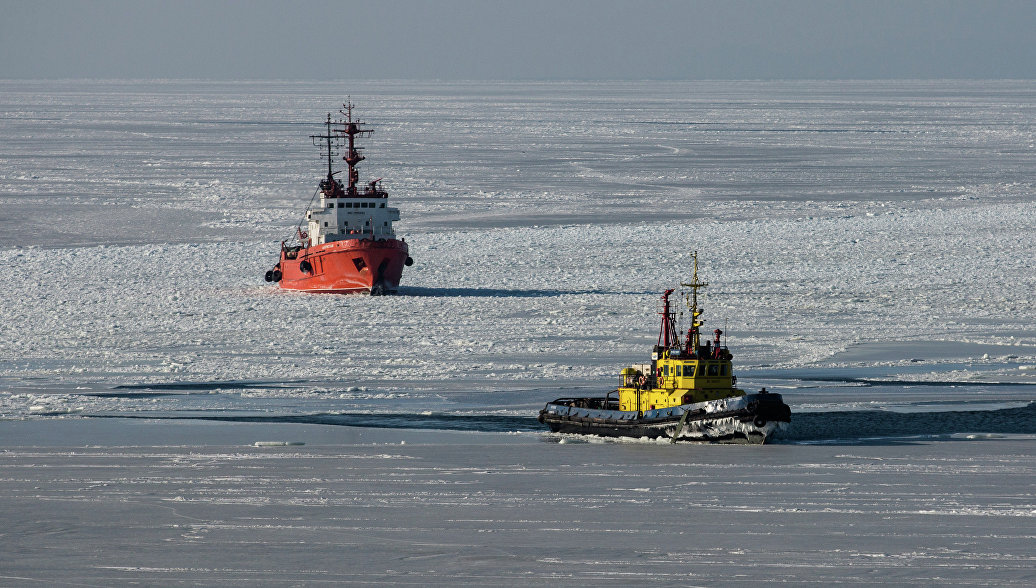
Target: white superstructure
<point>338,218</point>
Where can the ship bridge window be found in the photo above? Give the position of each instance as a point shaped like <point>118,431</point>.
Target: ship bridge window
<point>723,369</point>
<point>713,369</point>
<point>330,204</point>
<point>341,205</point>
<point>382,205</point>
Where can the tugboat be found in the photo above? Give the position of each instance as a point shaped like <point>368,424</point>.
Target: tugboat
<point>349,245</point>
<point>686,393</point>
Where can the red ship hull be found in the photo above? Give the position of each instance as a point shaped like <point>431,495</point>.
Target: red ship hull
<point>344,267</point>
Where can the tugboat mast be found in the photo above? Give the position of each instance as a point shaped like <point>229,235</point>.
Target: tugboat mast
<point>331,187</point>
<point>693,336</point>
<point>352,129</point>
<point>330,172</point>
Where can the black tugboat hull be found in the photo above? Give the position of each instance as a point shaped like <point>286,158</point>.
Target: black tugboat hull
<point>751,419</point>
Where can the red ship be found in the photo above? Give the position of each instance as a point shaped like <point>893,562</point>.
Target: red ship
<point>349,245</point>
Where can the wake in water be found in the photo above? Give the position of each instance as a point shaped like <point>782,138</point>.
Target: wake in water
<point>862,426</point>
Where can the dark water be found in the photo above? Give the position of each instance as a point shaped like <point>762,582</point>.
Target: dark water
<point>862,426</point>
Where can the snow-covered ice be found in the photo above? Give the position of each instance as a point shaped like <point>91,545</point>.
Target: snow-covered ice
<point>869,249</point>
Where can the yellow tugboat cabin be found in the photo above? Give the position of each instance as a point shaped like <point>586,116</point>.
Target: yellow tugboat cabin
<point>676,382</point>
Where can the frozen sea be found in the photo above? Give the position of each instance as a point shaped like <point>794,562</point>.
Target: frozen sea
<point>168,418</point>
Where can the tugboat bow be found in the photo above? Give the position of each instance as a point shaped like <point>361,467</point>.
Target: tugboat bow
<point>349,244</point>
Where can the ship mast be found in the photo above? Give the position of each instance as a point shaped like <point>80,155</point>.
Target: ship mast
<point>330,172</point>
<point>693,336</point>
<point>331,187</point>
<point>352,129</point>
